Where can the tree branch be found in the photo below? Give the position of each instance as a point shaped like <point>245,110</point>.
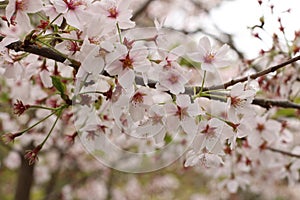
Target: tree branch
<point>268,103</point>
<point>264,103</point>
<point>253,76</point>
<point>283,152</point>
<point>42,51</point>
<point>25,178</point>
<point>228,39</point>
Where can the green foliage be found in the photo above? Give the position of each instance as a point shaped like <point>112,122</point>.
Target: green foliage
<point>7,181</point>
<point>189,63</point>
<point>286,112</point>
<point>4,97</point>
<point>61,87</point>
<point>58,84</point>
<point>168,139</point>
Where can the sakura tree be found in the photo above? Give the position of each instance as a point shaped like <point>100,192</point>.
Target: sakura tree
<point>81,78</point>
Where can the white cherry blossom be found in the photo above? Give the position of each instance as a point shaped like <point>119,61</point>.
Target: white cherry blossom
<point>209,136</point>
<point>239,100</point>
<point>265,130</point>
<point>116,12</point>
<point>73,11</point>
<point>20,9</point>
<point>210,58</point>
<point>202,158</point>
<point>126,62</point>
<point>182,113</point>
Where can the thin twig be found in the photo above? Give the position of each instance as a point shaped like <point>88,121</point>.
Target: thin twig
<point>264,103</point>
<point>284,152</point>
<point>228,39</point>
<point>253,76</point>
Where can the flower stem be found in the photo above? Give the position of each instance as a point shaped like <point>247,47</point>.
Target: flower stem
<point>42,107</point>
<point>202,85</point>
<point>49,133</point>
<point>53,36</point>
<point>91,92</point>
<point>213,96</point>
<point>119,33</point>
<point>49,24</point>
<point>27,129</point>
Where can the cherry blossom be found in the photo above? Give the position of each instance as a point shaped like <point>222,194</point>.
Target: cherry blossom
<point>181,114</point>
<point>172,80</point>
<point>210,58</point>
<point>209,136</point>
<point>240,128</point>
<point>45,77</point>
<point>13,70</point>
<point>32,155</point>
<point>70,47</point>
<point>12,161</point>
<point>117,12</point>
<point>20,108</point>
<point>139,99</point>
<point>155,124</point>
<point>204,158</point>
<point>128,62</point>
<point>17,12</point>
<point>239,100</point>
<point>140,103</point>
<point>8,137</point>
<point>72,10</point>
<point>265,130</point>
<point>93,63</point>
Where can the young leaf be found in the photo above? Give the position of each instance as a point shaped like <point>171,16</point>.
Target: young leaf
<point>60,86</point>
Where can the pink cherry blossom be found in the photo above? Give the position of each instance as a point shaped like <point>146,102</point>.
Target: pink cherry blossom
<point>73,11</point>
<point>172,80</point>
<point>125,63</point>
<point>209,136</point>
<point>12,161</point>
<point>70,47</point>
<point>140,103</point>
<point>239,100</point>
<point>182,114</point>
<point>12,70</point>
<point>210,58</point>
<point>93,62</point>
<point>202,158</point>
<point>265,130</point>
<point>9,137</point>
<point>116,12</point>
<point>45,78</point>
<point>137,101</point>
<point>20,9</point>
<point>240,127</point>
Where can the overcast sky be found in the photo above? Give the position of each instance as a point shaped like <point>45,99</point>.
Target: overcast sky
<point>234,17</point>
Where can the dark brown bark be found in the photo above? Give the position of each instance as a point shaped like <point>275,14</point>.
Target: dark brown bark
<point>25,179</point>
<point>42,51</point>
<point>254,76</point>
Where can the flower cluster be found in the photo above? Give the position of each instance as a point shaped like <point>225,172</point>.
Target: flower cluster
<point>141,98</point>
